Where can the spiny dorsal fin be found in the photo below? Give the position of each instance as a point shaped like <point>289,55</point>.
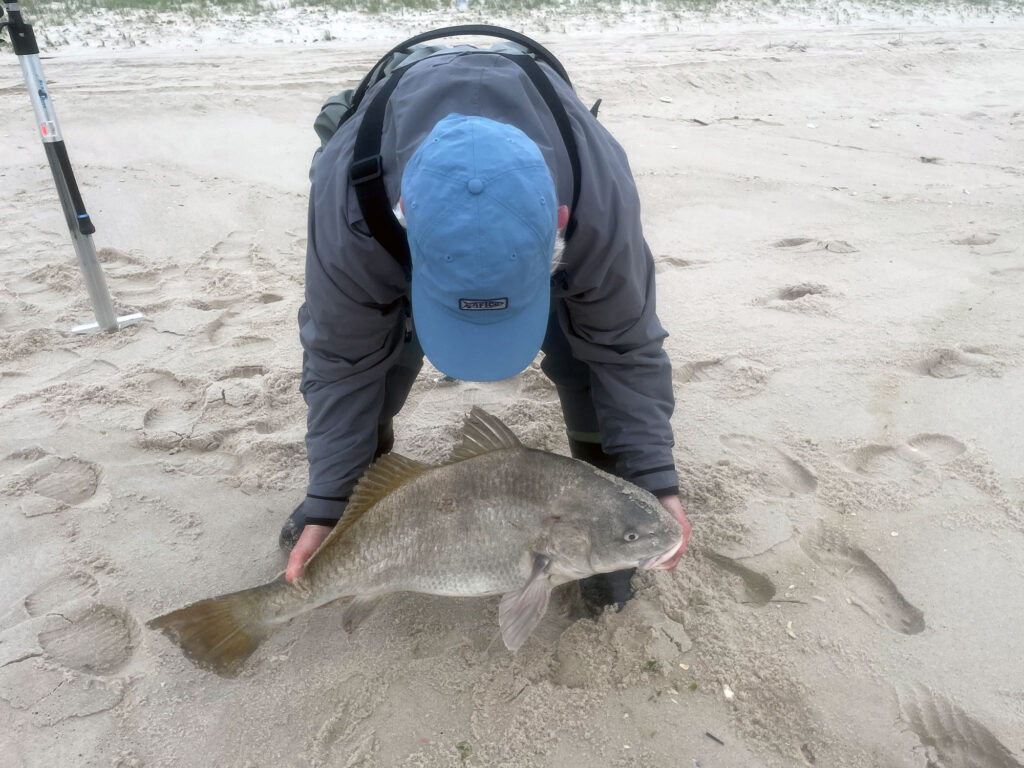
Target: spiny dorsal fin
<point>385,475</point>
<point>482,434</point>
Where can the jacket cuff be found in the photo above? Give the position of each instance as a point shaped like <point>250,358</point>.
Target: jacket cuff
<point>661,481</point>
<point>321,510</point>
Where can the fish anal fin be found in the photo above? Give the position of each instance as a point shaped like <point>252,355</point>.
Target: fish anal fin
<point>522,609</point>
<point>482,434</point>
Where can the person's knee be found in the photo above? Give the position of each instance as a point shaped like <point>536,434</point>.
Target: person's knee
<point>565,371</point>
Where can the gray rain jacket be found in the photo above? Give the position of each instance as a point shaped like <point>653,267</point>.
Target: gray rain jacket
<point>352,325</point>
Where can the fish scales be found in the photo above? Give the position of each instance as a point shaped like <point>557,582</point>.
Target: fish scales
<point>415,538</point>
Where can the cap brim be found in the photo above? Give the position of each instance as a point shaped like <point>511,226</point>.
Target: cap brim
<point>480,351</point>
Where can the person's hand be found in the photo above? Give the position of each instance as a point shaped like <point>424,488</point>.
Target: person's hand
<point>675,508</point>
<point>312,537</point>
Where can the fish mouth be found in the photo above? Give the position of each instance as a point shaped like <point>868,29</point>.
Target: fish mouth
<point>666,561</point>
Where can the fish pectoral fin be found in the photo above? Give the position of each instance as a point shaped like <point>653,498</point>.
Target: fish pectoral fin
<point>355,610</point>
<point>522,609</point>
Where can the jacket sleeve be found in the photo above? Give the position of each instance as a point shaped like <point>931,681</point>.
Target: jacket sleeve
<point>611,320</point>
<point>351,328</point>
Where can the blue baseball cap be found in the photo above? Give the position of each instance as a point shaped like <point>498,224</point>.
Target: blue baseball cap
<point>481,216</point>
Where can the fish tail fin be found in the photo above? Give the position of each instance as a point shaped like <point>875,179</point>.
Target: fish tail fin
<point>220,633</point>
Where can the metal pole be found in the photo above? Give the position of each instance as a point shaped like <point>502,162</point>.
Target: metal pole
<point>79,224</point>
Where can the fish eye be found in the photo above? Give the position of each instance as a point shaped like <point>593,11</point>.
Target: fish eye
<point>631,536</point>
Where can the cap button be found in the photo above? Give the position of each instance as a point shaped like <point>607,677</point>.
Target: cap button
<point>475,186</point>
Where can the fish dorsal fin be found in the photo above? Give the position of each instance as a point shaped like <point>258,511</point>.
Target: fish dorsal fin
<point>385,475</point>
<point>482,434</point>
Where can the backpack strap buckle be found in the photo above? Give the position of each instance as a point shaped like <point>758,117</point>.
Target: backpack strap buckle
<point>366,170</point>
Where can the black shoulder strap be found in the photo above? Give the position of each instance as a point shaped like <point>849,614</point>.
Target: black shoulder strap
<point>547,92</point>
<point>367,177</point>
<point>366,172</point>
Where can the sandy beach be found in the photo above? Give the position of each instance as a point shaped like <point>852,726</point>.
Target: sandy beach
<point>835,212</point>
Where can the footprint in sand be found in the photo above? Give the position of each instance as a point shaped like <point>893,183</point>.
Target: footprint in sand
<point>63,674</point>
<point>164,383</point>
<point>785,474</point>
<point>225,332</point>
<point>115,257</point>
<point>241,372</point>
<point>133,277</point>
<point>243,397</point>
<point>757,588</point>
<point>93,638</point>
<point>197,419</point>
<point>662,263</point>
<point>51,694</point>
<point>69,480</point>
<point>209,305</point>
<point>915,462</point>
<point>165,427</point>
<point>793,242</point>
<point>888,463</point>
<point>949,735</point>
<point>801,298</point>
<point>956,362</point>
<point>51,279</point>
<point>872,590</point>
<point>833,246</point>
<point>179,419</point>
<point>171,418</point>
<point>63,589</point>
<point>742,376</point>
<point>237,250</point>
<point>933,447</point>
<point>838,246</point>
<point>798,291</point>
<point>233,270</point>
<point>52,483</point>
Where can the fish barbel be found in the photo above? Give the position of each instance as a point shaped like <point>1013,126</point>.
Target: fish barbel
<point>496,518</point>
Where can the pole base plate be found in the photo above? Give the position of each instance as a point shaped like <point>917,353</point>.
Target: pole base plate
<point>122,322</point>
